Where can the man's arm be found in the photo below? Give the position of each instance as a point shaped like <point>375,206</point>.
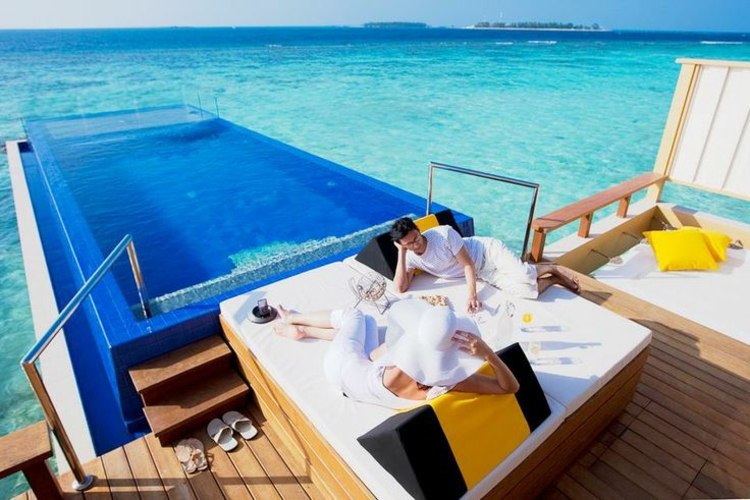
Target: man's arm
<point>472,303</point>
<point>402,278</point>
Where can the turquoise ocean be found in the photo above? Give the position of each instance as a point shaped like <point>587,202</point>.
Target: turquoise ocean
<point>575,112</point>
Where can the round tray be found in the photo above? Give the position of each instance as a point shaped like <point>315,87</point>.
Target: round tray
<point>255,317</point>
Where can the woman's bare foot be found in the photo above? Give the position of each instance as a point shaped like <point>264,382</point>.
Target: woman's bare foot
<point>284,315</point>
<point>293,332</point>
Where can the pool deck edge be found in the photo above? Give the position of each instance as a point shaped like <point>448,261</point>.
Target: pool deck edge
<point>56,365</point>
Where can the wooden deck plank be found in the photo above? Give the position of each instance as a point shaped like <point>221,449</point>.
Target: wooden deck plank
<point>702,371</point>
<point>695,493</point>
<point>571,488</point>
<point>618,480</point>
<point>592,483</point>
<point>597,449</point>
<point>695,361</point>
<point>633,409</point>
<point>169,469</point>
<point>640,399</point>
<point>120,478</point>
<point>648,464</point>
<point>252,473</point>
<point>716,356</point>
<point>204,485</point>
<point>738,452</point>
<point>672,441</point>
<point>144,471</point>
<point>634,473</point>
<point>280,475</point>
<point>689,414</point>
<point>669,460</point>
<point>730,466</point>
<point>230,482</point>
<point>719,484</point>
<point>689,385</point>
<point>724,421</point>
<point>682,427</point>
<point>297,466</point>
<point>552,493</point>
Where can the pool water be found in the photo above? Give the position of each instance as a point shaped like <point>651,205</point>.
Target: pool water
<point>205,199</point>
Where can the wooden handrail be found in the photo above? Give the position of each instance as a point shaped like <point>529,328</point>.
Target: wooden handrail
<point>27,450</point>
<point>584,210</point>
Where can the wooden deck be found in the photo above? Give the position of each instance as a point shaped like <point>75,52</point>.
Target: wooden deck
<point>143,469</point>
<point>686,434</point>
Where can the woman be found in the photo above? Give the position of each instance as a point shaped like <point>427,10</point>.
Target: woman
<point>424,355</point>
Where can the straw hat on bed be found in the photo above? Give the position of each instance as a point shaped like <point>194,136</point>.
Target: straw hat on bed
<point>419,340</point>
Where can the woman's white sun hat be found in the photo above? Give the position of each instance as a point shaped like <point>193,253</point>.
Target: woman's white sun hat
<point>419,340</point>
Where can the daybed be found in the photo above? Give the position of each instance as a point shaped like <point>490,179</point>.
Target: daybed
<point>588,367</point>
<point>706,146</point>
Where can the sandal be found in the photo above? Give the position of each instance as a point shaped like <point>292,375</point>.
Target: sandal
<point>241,424</point>
<point>190,454</point>
<point>221,434</point>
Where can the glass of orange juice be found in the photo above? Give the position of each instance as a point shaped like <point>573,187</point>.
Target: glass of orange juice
<point>532,347</point>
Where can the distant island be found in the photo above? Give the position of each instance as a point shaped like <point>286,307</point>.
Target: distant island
<point>395,24</point>
<point>533,25</point>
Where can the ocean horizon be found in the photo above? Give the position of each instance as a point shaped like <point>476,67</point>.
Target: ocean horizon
<point>575,111</point>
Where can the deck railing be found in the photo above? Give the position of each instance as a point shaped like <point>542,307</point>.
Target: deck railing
<point>494,177</point>
<point>82,480</point>
<point>584,209</point>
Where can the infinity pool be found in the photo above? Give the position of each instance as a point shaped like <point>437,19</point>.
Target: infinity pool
<point>214,210</point>
<point>210,205</point>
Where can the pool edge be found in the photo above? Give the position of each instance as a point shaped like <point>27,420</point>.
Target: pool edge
<point>56,363</point>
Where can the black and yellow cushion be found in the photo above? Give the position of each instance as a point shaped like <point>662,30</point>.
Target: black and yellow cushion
<point>445,447</point>
<point>381,255</point>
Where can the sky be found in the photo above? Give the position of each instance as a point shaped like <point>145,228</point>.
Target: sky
<point>672,15</point>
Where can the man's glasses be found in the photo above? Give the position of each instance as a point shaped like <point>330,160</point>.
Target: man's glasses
<point>412,242</point>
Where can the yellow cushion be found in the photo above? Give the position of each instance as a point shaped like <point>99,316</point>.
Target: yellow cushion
<point>681,250</point>
<point>481,438</point>
<point>423,224</point>
<point>426,222</point>
<point>717,242</point>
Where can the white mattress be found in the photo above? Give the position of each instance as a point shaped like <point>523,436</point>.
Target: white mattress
<point>582,347</point>
<point>715,299</point>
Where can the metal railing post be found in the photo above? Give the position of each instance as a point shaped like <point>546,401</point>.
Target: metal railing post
<point>82,480</point>
<point>494,177</point>
<point>139,283</point>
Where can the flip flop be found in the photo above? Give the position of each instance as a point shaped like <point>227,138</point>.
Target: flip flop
<point>190,454</point>
<point>240,423</point>
<point>221,434</point>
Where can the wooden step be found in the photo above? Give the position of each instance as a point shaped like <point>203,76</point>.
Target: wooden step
<point>180,369</point>
<point>184,410</point>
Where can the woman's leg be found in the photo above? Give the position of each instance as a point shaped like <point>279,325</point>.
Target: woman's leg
<point>298,326</point>
<point>321,319</point>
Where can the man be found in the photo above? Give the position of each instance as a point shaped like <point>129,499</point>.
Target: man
<point>442,252</point>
